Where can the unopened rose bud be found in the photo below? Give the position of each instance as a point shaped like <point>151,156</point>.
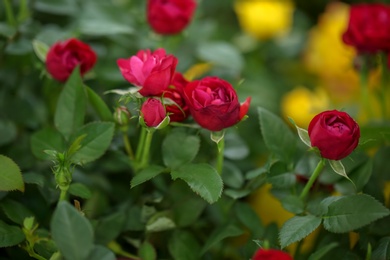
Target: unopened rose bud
<point>122,116</point>
<point>153,112</point>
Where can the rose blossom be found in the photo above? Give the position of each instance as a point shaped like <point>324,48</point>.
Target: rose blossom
<point>368,27</point>
<point>170,16</point>
<point>179,111</point>
<point>334,133</point>
<point>214,104</point>
<point>271,254</point>
<point>152,71</point>
<point>153,112</point>
<point>63,57</point>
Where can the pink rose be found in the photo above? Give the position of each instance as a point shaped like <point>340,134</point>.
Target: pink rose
<point>170,16</point>
<point>334,133</point>
<point>271,254</point>
<point>153,112</point>
<point>179,111</point>
<point>152,71</point>
<point>64,56</point>
<point>214,104</point>
<point>368,27</point>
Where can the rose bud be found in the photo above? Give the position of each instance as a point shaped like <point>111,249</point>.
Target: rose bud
<point>153,112</point>
<point>368,28</point>
<point>178,111</point>
<point>170,16</point>
<point>63,57</point>
<point>214,104</point>
<point>152,71</point>
<point>334,133</point>
<point>271,254</point>
<point>122,116</point>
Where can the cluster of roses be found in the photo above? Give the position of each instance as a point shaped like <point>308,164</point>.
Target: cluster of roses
<point>368,28</point>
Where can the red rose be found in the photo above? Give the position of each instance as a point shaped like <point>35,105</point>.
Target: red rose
<point>214,103</point>
<point>271,254</point>
<point>170,16</point>
<point>368,28</point>
<point>153,112</point>
<point>64,56</point>
<point>152,71</point>
<point>334,133</point>
<point>179,111</point>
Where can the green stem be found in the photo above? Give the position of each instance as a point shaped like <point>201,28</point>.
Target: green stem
<point>221,148</point>
<point>364,95</point>
<point>141,144</point>
<point>146,149</point>
<point>312,179</point>
<point>63,194</point>
<point>9,13</point>
<point>128,148</point>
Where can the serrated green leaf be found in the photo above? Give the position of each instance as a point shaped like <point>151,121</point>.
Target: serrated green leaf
<point>202,179</point>
<point>382,251</point>
<point>183,245</point>
<point>98,139</point>
<point>220,234</point>
<point>10,175</point>
<point>147,251</point>
<point>80,190</point>
<point>101,253</point>
<point>99,105</point>
<point>146,174</point>
<point>72,233</point>
<point>277,136</point>
<point>293,204</point>
<point>297,228</point>
<point>41,49</point>
<point>15,211</point>
<point>71,105</point>
<point>317,255</point>
<point>352,212</point>
<point>46,139</point>
<point>179,148</point>
<point>10,235</point>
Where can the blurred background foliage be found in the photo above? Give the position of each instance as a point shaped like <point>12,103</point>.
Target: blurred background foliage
<point>287,55</point>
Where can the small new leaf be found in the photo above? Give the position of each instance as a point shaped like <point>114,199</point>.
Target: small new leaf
<point>41,49</point>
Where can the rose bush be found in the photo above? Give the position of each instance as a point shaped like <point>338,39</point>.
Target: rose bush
<point>152,71</point>
<point>64,56</point>
<point>153,112</point>
<point>170,17</point>
<point>334,133</point>
<point>368,27</point>
<point>214,104</point>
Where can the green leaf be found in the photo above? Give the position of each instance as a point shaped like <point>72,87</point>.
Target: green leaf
<point>202,179</point>
<point>293,204</point>
<point>179,148</point>
<point>235,147</point>
<point>80,190</point>
<point>352,212</point>
<point>338,168</point>
<point>317,255</point>
<point>8,132</point>
<point>71,105</point>
<point>220,234</point>
<point>34,178</point>
<point>146,174</point>
<point>98,139</point>
<point>101,253</point>
<point>160,221</point>
<point>62,7</point>
<point>41,49</point>
<point>383,250</point>
<point>109,227</point>
<point>10,175</point>
<point>249,218</point>
<point>46,139</point>
<point>99,105</point>
<point>359,176</point>
<point>15,211</point>
<point>10,235</point>
<point>71,232</point>
<point>183,245</point>
<point>277,136</point>
<point>147,251</point>
<point>297,228</point>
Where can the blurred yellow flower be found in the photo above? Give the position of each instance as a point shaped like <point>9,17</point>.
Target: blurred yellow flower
<point>328,57</point>
<point>197,70</point>
<point>302,104</point>
<point>264,19</point>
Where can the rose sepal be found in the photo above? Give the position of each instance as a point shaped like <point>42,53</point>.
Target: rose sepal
<point>302,133</point>
<point>338,167</point>
<point>163,124</point>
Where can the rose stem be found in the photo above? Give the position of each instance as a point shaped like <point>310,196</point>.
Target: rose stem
<point>221,148</point>
<point>146,149</point>
<point>313,177</point>
<point>141,144</point>
<point>128,148</point>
